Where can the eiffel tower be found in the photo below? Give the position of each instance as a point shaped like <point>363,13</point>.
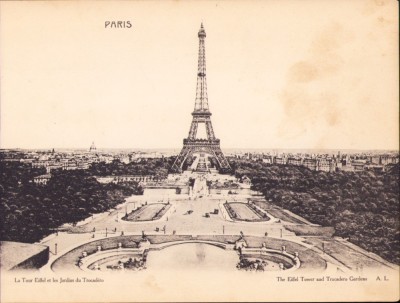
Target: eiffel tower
<point>201,114</point>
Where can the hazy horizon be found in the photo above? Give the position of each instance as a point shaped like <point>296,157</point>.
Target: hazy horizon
<point>177,149</point>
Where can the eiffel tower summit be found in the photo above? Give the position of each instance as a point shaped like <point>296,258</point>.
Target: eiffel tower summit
<point>210,145</point>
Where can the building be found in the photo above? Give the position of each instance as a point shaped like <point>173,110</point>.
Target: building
<point>128,178</point>
<point>268,159</point>
<point>42,179</point>
<point>326,164</point>
<point>310,163</point>
<point>40,163</point>
<point>280,160</point>
<point>358,165</point>
<point>295,161</point>
<point>246,182</point>
<point>92,147</point>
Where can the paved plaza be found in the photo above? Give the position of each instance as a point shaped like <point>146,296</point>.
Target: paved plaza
<point>187,217</point>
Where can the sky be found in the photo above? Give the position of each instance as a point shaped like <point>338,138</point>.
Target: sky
<point>280,74</point>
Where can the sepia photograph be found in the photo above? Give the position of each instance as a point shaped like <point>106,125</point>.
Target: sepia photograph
<point>199,151</point>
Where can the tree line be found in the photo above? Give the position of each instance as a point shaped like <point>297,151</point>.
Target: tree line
<point>361,206</point>
<point>148,166</point>
<point>30,211</point>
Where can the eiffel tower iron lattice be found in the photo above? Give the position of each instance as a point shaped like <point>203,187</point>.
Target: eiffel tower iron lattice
<point>201,114</point>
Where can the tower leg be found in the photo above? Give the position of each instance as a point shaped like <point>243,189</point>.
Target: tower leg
<point>210,131</point>
<point>193,130</point>
<point>177,166</point>
<point>212,150</point>
<point>223,162</point>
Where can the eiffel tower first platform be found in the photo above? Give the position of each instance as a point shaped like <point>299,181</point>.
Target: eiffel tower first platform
<point>201,114</point>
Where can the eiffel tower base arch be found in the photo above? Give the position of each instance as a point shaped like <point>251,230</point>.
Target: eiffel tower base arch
<point>201,146</point>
